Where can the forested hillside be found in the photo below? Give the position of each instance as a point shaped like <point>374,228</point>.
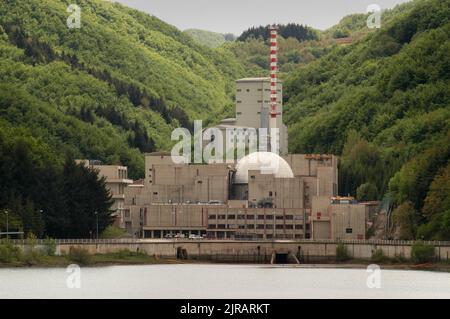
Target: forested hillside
<point>110,90</point>
<point>383,103</point>
<point>209,38</point>
<point>300,45</point>
<point>113,88</point>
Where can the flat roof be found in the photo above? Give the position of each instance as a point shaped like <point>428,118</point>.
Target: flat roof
<point>261,79</point>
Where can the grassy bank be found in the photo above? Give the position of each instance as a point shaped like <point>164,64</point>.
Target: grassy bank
<point>422,258</point>
<point>13,256</point>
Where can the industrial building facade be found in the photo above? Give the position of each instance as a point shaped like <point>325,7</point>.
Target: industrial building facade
<point>296,201</point>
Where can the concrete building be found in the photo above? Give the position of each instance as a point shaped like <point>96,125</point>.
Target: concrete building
<point>116,177</point>
<point>253,109</point>
<point>296,198</point>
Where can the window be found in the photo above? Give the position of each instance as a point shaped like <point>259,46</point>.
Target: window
<point>259,90</point>
<point>238,113</point>
<point>212,217</point>
<point>251,226</point>
<point>239,90</point>
<point>298,226</point>
<point>155,193</point>
<point>260,226</point>
<point>260,101</point>
<point>269,217</point>
<point>212,226</point>
<point>238,102</point>
<point>279,226</point>
<point>252,177</point>
<point>289,217</point>
<point>250,216</point>
<point>248,90</point>
<point>260,216</point>
<point>241,216</point>
<point>221,217</point>
<point>231,216</point>
<point>289,226</point>
<point>270,194</point>
<point>279,217</point>
<point>269,226</point>
<point>221,226</point>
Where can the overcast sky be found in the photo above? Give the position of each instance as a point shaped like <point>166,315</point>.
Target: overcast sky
<point>234,16</point>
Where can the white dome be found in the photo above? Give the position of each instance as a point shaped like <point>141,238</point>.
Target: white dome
<point>265,162</point>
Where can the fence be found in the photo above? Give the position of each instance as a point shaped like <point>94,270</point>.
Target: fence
<point>181,240</point>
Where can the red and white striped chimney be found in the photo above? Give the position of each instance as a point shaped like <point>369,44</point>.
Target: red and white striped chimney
<point>273,77</point>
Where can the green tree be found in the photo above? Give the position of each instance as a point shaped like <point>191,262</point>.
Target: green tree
<point>367,192</point>
<point>405,220</point>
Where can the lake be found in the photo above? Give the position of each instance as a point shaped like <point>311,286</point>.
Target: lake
<point>219,281</point>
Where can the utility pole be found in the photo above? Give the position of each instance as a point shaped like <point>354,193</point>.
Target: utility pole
<point>96,215</point>
<point>7,224</point>
<point>41,212</point>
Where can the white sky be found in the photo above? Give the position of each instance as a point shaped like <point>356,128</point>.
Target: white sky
<point>235,16</point>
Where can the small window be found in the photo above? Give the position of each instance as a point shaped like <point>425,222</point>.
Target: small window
<point>239,90</point>
<point>200,182</point>
<point>239,113</point>
<point>253,177</point>
<point>155,193</point>
<point>259,90</point>
<point>248,90</point>
<point>349,230</point>
<point>238,101</point>
<point>212,217</point>
<point>270,194</point>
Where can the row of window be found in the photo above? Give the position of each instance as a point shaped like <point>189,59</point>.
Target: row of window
<point>259,101</point>
<point>260,226</point>
<point>252,217</point>
<point>259,90</point>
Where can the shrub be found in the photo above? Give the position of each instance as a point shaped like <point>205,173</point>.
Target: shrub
<point>422,253</point>
<point>125,253</point>
<point>80,256</point>
<point>112,232</point>
<point>341,253</point>
<point>50,246</point>
<point>399,259</point>
<point>9,253</point>
<point>378,256</point>
<point>32,256</point>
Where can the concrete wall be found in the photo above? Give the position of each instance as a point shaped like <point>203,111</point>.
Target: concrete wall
<point>307,250</point>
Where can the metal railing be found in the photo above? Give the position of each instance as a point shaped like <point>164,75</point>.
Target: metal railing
<point>154,240</point>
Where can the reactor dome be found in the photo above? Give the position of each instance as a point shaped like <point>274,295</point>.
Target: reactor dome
<point>265,162</point>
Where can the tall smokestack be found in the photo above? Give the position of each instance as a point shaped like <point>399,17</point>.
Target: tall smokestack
<point>273,79</point>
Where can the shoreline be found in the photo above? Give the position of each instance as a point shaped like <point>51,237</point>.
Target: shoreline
<point>108,260</point>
